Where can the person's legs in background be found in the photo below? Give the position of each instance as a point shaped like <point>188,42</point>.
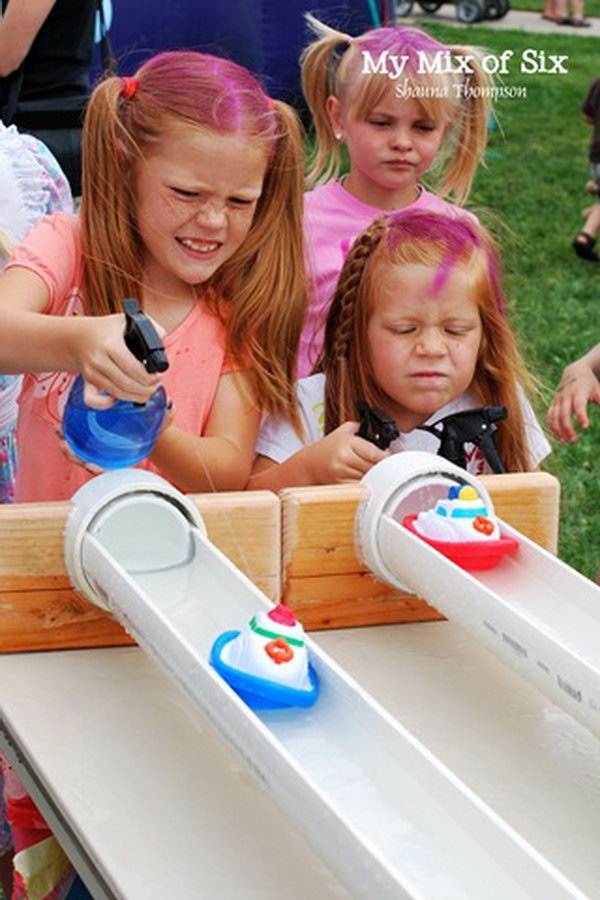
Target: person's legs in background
<point>585,241</point>
<point>550,12</point>
<point>576,18</point>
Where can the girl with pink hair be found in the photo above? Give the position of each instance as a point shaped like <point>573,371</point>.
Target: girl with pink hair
<point>192,200</point>
<point>417,328</point>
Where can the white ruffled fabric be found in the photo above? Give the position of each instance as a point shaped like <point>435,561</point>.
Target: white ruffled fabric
<point>32,184</point>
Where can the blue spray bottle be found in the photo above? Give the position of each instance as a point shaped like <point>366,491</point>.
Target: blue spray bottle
<point>125,433</point>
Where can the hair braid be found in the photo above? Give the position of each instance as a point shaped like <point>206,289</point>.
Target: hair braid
<point>341,324</point>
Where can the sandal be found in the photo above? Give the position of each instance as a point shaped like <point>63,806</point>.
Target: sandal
<point>575,23</point>
<point>583,245</point>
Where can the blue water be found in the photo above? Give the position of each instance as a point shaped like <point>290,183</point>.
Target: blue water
<point>113,438</point>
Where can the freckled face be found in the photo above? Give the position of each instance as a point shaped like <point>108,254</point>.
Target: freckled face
<point>196,199</point>
<point>423,346</point>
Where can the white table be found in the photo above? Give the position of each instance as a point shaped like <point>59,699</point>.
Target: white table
<point>150,803</point>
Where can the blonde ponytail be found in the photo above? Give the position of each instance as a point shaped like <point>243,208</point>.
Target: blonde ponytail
<point>470,133</point>
<point>318,67</point>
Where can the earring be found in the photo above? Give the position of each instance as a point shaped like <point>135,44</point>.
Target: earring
<point>338,135</point>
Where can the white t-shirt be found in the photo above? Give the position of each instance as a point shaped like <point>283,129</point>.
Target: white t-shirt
<point>278,440</point>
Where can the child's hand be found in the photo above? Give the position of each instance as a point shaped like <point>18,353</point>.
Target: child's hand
<point>71,457</point>
<point>108,366</point>
<point>92,468</point>
<point>169,418</point>
<point>578,387</point>
<point>343,456</point>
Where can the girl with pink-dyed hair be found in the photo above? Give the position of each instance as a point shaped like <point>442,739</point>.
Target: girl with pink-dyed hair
<point>405,107</point>
<point>417,328</point>
<point>192,203</point>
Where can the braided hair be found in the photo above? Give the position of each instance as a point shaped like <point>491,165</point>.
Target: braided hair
<point>347,316</point>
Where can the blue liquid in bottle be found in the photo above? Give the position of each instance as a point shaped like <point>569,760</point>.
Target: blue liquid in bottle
<point>113,438</point>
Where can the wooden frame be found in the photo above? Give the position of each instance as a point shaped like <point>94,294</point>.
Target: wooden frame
<point>306,534</point>
<point>328,587</point>
<point>40,611</point>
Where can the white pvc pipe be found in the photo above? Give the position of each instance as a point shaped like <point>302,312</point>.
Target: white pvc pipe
<point>383,812</point>
<point>534,612</point>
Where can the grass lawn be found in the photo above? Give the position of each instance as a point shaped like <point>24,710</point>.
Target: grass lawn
<point>590,7</point>
<point>534,184</point>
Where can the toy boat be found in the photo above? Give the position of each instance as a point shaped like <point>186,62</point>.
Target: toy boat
<point>463,529</point>
<point>266,663</point>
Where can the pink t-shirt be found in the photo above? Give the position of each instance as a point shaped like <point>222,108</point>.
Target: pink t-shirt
<point>333,218</point>
<point>196,351</point>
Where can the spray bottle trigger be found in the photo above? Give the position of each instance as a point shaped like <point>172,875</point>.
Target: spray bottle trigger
<point>376,426</point>
<point>142,338</point>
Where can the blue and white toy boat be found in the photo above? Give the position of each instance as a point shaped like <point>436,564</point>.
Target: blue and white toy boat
<point>266,664</point>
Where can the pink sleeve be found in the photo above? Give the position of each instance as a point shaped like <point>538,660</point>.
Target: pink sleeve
<point>52,250</point>
<point>466,214</point>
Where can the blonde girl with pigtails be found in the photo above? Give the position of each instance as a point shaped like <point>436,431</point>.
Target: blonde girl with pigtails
<point>192,204</point>
<point>417,328</point>
<point>404,106</point>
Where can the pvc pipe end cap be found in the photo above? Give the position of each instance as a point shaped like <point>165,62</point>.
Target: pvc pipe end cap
<point>94,498</point>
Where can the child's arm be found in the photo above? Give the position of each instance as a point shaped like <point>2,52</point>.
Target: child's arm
<point>338,457</point>
<point>31,341</point>
<point>579,385</point>
<point>221,459</point>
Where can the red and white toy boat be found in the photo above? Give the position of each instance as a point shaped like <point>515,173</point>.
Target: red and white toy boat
<point>462,529</point>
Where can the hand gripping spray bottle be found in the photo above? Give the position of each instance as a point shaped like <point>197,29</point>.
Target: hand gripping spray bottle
<point>125,433</point>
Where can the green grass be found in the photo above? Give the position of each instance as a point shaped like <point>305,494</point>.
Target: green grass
<point>591,7</point>
<point>534,183</point>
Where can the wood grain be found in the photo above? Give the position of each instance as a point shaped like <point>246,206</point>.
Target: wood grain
<point>328,586</point>
<point>39,609</point>
<point>304,537</point>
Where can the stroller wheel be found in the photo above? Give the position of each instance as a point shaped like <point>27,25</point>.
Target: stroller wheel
<point>430,6</point>
<point>469,11</point>
<point>402,8</point>
<point>496,9</point>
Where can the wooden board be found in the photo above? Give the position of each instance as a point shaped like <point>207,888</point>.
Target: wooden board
<point>327,585</point>
<point>313,527</point>
<point>38,608</point>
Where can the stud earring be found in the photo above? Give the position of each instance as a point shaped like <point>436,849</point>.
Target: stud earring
<point>338,135</point>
